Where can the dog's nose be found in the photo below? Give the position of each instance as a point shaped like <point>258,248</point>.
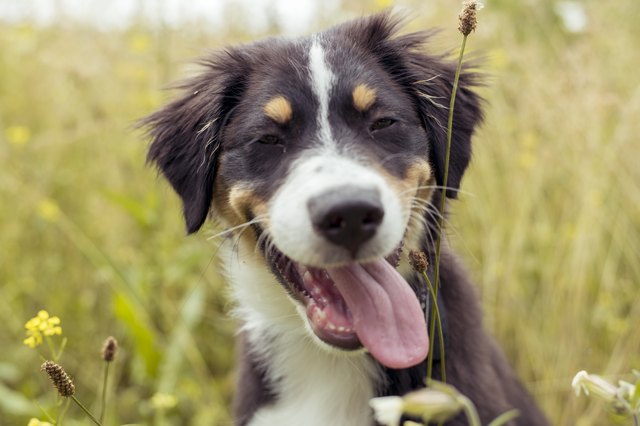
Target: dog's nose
<point>347,216</point>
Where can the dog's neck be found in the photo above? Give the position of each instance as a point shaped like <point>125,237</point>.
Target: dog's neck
<point>312,385</point>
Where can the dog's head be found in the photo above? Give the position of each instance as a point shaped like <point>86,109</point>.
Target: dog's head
<point>332,147</point>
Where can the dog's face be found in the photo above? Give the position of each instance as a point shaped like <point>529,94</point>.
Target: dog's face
<point>331,147</point>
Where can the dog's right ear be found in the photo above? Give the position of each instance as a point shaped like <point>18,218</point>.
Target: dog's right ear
<point>186,133</point>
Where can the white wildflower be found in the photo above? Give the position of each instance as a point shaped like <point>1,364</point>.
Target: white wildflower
<point>387,409</point>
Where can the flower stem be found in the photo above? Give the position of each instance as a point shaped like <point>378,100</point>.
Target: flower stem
<point>447,158</point>
<point>105,378</point>
<point>61,348</point>
<point>62,413</point>
<point>87,412</point>
<point>51,349</point>
<point>437,319</point>
<point>470,411</point>
<point>45,413</point>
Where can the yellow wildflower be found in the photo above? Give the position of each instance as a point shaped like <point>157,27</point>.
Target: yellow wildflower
<point>49,210</point>
<point>41,325</point>
<point>18,135</point>
<point>139,43</point>
<point>33,339</point>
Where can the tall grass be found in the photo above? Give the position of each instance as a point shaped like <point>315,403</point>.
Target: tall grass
<point>555,211</point>
<point>550,227</point>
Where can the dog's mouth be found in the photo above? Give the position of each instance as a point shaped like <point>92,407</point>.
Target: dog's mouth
<point>360,304</point>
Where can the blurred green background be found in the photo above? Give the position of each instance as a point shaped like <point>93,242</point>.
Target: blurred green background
<point>549,224</point>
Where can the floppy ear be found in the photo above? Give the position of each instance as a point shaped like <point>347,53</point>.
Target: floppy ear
<point>428,79</point>
<point>186,133</point>
<point>433,85</point>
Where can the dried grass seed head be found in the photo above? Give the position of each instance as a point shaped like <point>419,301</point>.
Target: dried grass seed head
<point>467,19</point>
<point>60,378</point>
<point>418,261</point>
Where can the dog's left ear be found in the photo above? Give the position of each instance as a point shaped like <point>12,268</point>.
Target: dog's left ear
<point>433,79</point>
<point>186,133</point>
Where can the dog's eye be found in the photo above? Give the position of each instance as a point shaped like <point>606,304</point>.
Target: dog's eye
<point>382,123</point>
<point>269,140</point>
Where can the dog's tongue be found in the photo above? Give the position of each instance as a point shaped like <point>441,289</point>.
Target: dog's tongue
<point>386,313</point>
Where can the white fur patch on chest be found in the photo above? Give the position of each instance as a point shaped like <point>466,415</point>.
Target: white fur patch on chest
<point>315,386</point>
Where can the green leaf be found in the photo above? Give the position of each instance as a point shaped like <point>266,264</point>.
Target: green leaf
<point>143,333</point>
<point>14,403</point>
<point>635,398</point>
<point>190,315</point>
<point>142,211</point>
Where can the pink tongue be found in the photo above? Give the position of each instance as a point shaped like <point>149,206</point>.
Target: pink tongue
<point>387,315</point>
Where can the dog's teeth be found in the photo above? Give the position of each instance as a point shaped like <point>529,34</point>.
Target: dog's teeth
<point>331,327</point>
<point>341,329</point>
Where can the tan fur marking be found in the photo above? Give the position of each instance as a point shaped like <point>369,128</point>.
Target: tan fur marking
<point>279,110</point>
<point>419,177</point>
<point>243,201</point>
<point>418,174</point>
<point>415,189</point>
<point>363,97</point>
<point>232,204</point>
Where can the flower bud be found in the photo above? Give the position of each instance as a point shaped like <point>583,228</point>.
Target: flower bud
<point>109,349</point>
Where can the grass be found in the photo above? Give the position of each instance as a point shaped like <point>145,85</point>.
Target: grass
<point>549,224</point>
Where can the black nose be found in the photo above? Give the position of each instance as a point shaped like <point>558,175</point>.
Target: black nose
<point>347,216</point>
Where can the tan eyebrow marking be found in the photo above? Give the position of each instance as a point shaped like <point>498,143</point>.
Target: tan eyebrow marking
<point>278,109</point>
<point>363,97</point>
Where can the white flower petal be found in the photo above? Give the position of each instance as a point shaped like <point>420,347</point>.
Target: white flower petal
<point>387,409</point>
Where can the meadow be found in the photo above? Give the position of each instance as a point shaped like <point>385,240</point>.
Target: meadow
<point>548,224</point>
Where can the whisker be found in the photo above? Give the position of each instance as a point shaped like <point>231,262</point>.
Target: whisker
<point>420,218</point>
<point>257,219</point>
<point>448,225</point>
<point>448,188</point>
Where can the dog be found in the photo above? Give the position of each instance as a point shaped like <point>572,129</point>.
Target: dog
<point>323,158</point>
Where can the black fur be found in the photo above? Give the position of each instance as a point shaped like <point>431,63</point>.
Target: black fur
<point>216,120</point>
<point>186,133</point>
<point>428,79</point>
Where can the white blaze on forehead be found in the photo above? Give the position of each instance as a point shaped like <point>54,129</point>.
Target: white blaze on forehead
<point>322,82</point>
